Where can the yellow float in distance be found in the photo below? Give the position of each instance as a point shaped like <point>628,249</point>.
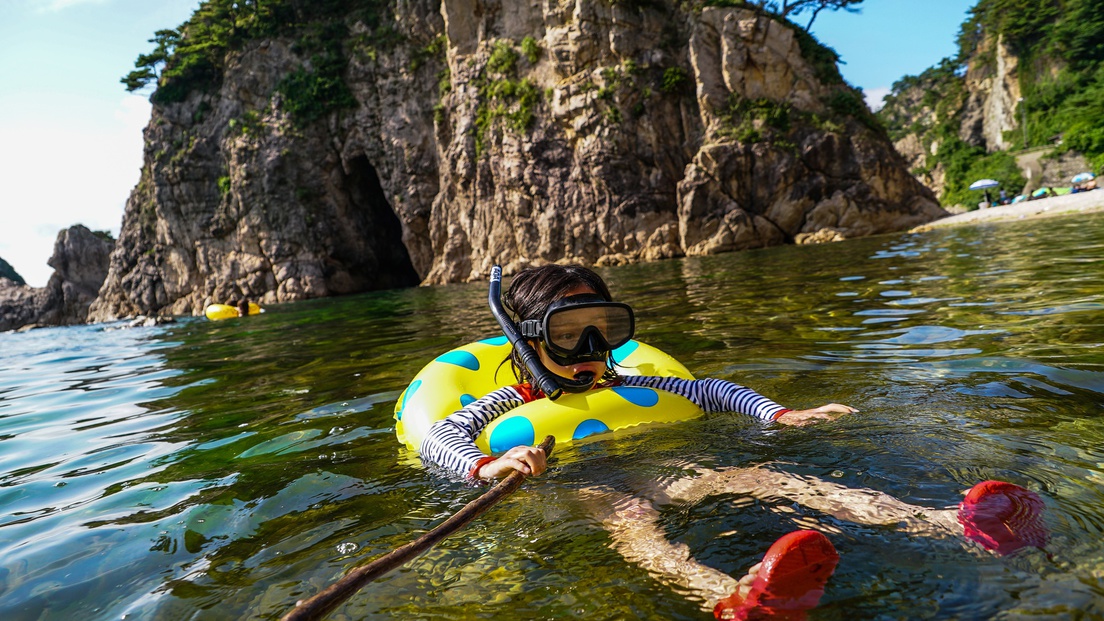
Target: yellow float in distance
<point>458,377</point>
<point>215,312</point>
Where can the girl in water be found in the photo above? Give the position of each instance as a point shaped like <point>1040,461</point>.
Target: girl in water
<point>568,321</point>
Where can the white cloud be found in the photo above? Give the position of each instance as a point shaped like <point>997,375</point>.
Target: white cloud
<point>55,173</point>
<point>54,6</point>
<point>134,112</point>
<point>875,97</point>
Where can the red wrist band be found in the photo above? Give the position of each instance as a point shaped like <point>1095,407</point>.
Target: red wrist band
<point>482,461</point>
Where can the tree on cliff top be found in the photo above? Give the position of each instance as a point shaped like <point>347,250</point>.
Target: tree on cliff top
<point>786,8</point>
<point>192,56</point>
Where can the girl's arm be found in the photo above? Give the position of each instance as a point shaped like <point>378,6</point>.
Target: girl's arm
<point>450,443</point>
<point>716,395</point>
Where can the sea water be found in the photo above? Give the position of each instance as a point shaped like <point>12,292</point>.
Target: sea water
<point>225,470</point>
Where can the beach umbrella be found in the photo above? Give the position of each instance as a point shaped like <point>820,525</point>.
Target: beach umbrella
<point>984,184</point>
<point>1083,177</point>
<point>1039,192</point>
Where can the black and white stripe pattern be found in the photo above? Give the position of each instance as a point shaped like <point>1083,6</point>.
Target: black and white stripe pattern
<point>712,395</point>
<point>450,443</point>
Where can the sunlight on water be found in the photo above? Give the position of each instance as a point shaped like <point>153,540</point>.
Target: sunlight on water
<point>225,470</point>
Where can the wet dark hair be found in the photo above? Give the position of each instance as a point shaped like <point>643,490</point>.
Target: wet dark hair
<point>534,289</point>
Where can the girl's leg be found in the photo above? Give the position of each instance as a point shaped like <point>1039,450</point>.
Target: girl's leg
<point>633,526</point>
<point>858,505</point>
<point>791,578</point>
<point>1000,516</point>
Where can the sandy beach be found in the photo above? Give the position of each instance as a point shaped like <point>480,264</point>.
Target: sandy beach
<point>1082,202</point>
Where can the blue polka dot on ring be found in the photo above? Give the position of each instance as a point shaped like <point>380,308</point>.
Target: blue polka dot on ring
<point>589,427</point>
<point>637,395</point>
<point>460,359</point>
<point>413,388</point>
<point>514,431</point>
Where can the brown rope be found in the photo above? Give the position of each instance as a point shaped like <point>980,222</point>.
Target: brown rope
<point>323,603</point>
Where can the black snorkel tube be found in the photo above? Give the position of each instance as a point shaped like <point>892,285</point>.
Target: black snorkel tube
<point>542,377</point>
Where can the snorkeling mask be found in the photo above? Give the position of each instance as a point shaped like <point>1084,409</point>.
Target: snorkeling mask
<point>582,328</point>
<point>575,329</point>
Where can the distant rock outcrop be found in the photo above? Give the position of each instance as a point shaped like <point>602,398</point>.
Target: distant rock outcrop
<point>985,101</point>
<point>8,272</point>
<point>973,102</point>
<point>504,132</point>
<point>80,261</point>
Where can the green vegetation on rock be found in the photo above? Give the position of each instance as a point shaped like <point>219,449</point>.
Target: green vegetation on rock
<point>674,79</point>
<point>756,120</point>
<point>531,49</point>
<point>193,56</point>
<point>310,94</point>
<point>502,96</point>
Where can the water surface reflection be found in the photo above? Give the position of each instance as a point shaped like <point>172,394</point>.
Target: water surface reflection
<point>224,470</point>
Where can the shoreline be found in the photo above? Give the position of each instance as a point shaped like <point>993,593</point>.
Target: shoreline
<point>1082,202</point>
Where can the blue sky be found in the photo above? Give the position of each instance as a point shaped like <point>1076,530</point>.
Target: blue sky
<point>71,136</point>
<point>890,39</point>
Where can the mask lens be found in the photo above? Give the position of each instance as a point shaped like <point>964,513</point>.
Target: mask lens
<point>567,328</point>
<point>619,326</point>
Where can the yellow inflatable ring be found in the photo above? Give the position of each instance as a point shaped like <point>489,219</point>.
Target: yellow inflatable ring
<point>458,377</point>
<point>215,312</point>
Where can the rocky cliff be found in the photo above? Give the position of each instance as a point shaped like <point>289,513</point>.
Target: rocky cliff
<point>484,131</point>
<point>978,107</point>
<point>80,262</point>
<point>992,88</point>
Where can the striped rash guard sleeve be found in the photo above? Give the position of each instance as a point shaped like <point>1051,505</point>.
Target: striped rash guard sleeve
<point>450,442</point>
<point>713,395</point>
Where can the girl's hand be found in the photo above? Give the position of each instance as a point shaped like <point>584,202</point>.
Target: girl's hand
<point>529,460</point>
<point>800,418</point>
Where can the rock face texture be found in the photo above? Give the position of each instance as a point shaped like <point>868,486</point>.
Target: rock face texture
<point>504,132</point>
<point>993,94</point>
<point>80,262</point>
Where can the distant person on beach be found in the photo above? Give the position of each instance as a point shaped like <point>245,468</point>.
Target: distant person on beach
<point>243,307</point>
<point>1003,197</point>
<point>988,200</point>
<point>572,324</point>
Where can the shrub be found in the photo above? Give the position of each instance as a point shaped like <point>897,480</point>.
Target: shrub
<point>674,78</point>
<point>503,59</point>
<point>310,95</point>
<point>531,49</point>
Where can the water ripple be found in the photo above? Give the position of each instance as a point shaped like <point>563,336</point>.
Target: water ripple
<point>229,469</point>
